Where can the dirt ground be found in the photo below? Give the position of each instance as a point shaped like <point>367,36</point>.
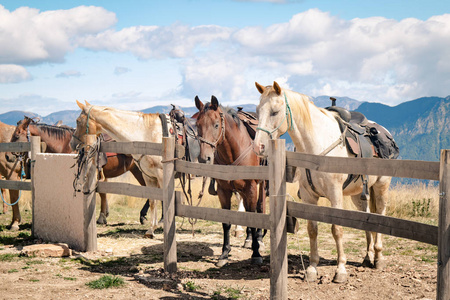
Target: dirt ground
<point>410,272</point>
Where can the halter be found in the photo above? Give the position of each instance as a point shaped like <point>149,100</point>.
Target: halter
<point>222,135</point>
<point>288,112</point>
<point>87,126</point>
<point>87,121</point>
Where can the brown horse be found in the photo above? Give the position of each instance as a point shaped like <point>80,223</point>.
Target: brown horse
<point>225,140</point>
<point>57,139</point>
<point>6,131</point>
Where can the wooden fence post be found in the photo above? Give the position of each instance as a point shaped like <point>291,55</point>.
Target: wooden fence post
<point>170,246</point>
<point>91,176</point>
<point>443,276</point>
<point>35,149</point>
<point>278,235</point>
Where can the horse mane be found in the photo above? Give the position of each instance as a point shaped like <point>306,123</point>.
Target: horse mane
<point>58,132</point>
<point>299,104</point>
<point>228,111</point>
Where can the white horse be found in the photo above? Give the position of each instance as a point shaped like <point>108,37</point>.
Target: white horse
<point>313,130</point>
<point>126,126</point>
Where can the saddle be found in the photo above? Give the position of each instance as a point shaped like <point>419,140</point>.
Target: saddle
<point>250,121</point>
<point>363,138</point>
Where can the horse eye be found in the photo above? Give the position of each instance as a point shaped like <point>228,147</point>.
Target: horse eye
<point>274,113</point>
<point>216,126</point>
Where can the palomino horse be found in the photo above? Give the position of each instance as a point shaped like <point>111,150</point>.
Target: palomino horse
<point>225,140</point>
<point>57,138</point>
<point>314,130</point>
<point>126,126</point>
<point>6,131</point>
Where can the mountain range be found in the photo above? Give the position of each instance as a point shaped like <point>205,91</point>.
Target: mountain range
<point>420,127</point>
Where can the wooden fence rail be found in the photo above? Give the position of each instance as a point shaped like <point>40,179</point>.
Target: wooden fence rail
<point>275,172</point>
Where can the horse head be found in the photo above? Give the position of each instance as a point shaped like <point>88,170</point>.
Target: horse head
<point>85,125</point>
<point>273,117</point>
<point>211,127</point>
<point>20,134</point>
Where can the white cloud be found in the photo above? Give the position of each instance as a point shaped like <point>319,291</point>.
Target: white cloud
<point>13,74</point>
<point>29,36</point>
<point>121,70</point>
<point>68,74</point>
<point>176,41</point>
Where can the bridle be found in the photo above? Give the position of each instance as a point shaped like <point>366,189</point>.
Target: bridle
<point>87,126</point>
<point>221,136</point>
<point>288,112</point>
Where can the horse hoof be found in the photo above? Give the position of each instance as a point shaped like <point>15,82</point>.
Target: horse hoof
<point>149,235</point>
<point>143,220</point>
<point>257,260</point>
<point>14,227</point>
<point>221,263</point>
<point>248,244</point>
<point>380,264</point>
<point>340,277</point>
<point>311,274</point>
<point>366,263</point>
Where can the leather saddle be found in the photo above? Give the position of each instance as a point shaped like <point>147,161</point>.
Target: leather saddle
<point>250,121</point>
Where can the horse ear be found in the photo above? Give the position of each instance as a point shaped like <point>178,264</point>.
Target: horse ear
<point>260,88</point>
<point>87,103</point>
<point>198,103</point>
<point>80,105</point>
<point>214,102</point>
<point>277,88</point>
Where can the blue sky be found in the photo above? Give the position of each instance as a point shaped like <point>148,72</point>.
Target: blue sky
<point>137,54</point>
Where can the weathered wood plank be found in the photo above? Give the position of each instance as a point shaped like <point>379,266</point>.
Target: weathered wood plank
<point>443,273</point>
<point>36,146</point>
<point>223,216</point>
<point>127,189</point>
<point>146,148</point>
<point>15,147</point>
<point>278,234</point>
<point>15,185</point>
<point>221,171</point>
<point>90,172</point>
<point>170,243</point>
<point>366,166</point>
<point>365,221</point>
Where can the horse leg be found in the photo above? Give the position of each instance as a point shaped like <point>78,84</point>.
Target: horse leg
<point>5,206</point>
<point>225,202</point>
<point>144,211</point>
<point>370,251</point>
<point>16,218</point>
<point>239,231</point>
<point>153,220</point>
<point>379,195</point>
<point>336,199</point>
<point>250,196</point>
<point>311,271</point>
<point>104,209</point>
<point>138,175</point>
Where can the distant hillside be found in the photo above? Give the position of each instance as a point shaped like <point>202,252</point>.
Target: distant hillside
<point>420,127</point>
<point>345,102</point>
<point>12,117</point>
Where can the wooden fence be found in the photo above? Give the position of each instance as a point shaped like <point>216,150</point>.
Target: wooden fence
<point>275,172</point>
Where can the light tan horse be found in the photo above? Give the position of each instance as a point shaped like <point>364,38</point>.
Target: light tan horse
<point>313,130</point>
<point>6,131</point>
<point>126,126</point>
